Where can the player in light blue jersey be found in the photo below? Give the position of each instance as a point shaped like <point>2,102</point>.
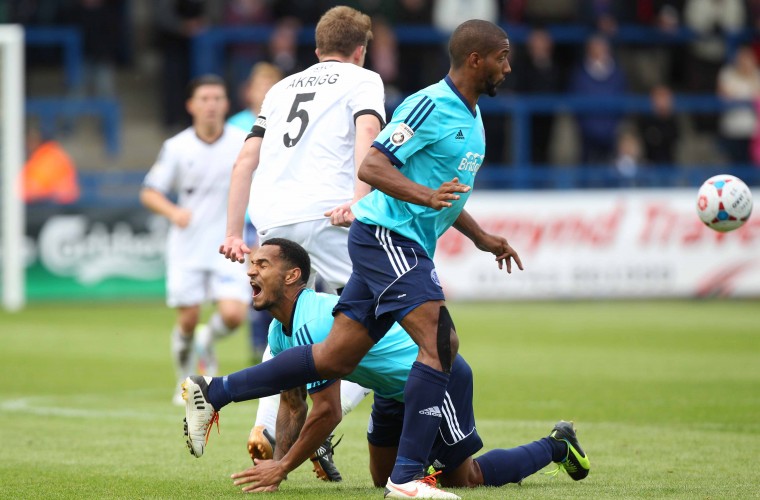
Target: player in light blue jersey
<point>278,273</point>
<point>421,186</point>
<point>434,137</point>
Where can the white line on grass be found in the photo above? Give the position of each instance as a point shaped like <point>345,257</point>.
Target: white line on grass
<point>46,406</point>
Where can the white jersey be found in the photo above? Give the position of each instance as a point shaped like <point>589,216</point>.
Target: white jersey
<point>199,174</point>
<point>306,165</point>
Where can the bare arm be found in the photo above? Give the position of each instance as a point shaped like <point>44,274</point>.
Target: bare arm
<point>325,415</point>
<point>487,242</point>
<point>290,419</point>
<point>246,164</point>
<point>157,202</point>
<point>367,128</point>
<point>378,171</point>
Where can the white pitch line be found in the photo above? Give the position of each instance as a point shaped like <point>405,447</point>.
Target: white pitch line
<point>46,407</point>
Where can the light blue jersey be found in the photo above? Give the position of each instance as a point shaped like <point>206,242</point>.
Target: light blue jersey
<point>433,137</point>
<point>385,367</point>
<point>243,120</point>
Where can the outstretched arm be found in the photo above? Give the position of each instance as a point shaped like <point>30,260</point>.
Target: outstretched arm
<point>246,164</point>
<point>325,415</point>
<point>487,242</point>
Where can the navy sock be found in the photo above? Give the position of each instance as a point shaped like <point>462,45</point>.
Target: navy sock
<point>423,399</point>
<point>500,467</point>
<point>291,368</point>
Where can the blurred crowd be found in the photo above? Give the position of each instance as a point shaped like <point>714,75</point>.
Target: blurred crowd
<point>713,63</point>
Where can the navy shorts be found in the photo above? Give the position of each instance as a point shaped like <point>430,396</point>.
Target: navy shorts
<point>391,276</point>
<point>457,437</point>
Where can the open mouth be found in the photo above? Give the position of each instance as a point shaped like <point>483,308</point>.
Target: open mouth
<point>256,289</point>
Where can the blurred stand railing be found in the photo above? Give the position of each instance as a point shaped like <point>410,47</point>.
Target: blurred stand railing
<point>51,111</point>
<point>208,52</point>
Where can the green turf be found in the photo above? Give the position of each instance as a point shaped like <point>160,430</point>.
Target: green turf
<point>665,395</point>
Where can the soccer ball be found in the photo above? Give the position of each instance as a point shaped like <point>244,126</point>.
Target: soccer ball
<point>724,203</point>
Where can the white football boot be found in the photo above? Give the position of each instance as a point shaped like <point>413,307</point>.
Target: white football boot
<point>424,487</point>
<point>199,414</point>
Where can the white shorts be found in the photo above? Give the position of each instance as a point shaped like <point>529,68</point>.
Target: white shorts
<point>190,287</point>
<point>327,246</point>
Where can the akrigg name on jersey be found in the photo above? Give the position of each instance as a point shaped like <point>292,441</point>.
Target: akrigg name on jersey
<point>313,81</point>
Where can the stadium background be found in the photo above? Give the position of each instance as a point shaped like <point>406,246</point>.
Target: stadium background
<point>106,80</point>
<point>665,391</point>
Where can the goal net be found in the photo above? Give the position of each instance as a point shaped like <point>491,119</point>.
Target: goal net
<point>11,161</point>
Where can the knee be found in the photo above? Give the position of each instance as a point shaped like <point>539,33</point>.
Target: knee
<point>330,363</point>
<point>233,314</point>
<point>188,320</point>
<point>454,342</point>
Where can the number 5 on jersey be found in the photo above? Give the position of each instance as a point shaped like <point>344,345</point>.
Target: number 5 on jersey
<point>301,114</point>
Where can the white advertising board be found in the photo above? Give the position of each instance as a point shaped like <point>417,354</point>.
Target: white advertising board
<point>601,244</point>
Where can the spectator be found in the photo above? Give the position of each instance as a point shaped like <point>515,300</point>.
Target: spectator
<point>177,22</point>
<point>659,130</point>
<point>628,157</point>
<point>739,81</point>
<point>712,20</point>
<point>283,46</point>
<point>416,63</point>
<point>49,174</point>
<point>383,57</point>
<point>598,75</point>
<point>605,16</point>
<point>242,56</point>
<point>538,73</point>
<point>103,36</point>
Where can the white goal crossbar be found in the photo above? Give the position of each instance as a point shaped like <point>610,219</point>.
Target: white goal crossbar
<point>11,161</point>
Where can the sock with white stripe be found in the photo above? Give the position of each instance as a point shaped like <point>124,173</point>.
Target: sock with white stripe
<point>501,466</point>
<point>423,398</point>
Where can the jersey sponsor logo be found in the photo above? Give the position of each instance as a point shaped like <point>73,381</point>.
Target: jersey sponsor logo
<point>434,277</point>
<point>471,162</point>
<point>402,134</point>
<point>459,136</point>
<point>260,122</point>
<point>433,411</point>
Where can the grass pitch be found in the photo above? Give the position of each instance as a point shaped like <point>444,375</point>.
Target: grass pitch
<point>665,396</point>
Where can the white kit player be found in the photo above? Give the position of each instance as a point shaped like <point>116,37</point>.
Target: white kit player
<point>195,166</point>
<point>314,129</point>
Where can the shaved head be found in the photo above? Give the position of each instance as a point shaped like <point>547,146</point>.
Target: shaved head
<point>471,36</point>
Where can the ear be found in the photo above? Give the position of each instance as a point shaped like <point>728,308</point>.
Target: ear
<point>292,276</point>
<point>316,51</point>
<point>359,54</point>
<point>474,60</point>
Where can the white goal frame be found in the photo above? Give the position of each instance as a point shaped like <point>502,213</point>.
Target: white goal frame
<point>12,101</point>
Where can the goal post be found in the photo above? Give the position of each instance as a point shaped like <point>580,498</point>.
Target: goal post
<point>12,101</point>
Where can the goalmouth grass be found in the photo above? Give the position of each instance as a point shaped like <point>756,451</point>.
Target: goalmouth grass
<point>665,396</point>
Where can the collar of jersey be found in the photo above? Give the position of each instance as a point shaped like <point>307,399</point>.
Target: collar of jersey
<point>454,89</point>
<point>292,315</point>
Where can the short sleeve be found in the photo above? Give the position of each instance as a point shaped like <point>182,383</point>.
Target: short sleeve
<point>368,97</point>
<point>163,174</point>
<point>412,127</point>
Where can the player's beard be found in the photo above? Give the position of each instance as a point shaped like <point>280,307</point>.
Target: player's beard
<point>492,87</point>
